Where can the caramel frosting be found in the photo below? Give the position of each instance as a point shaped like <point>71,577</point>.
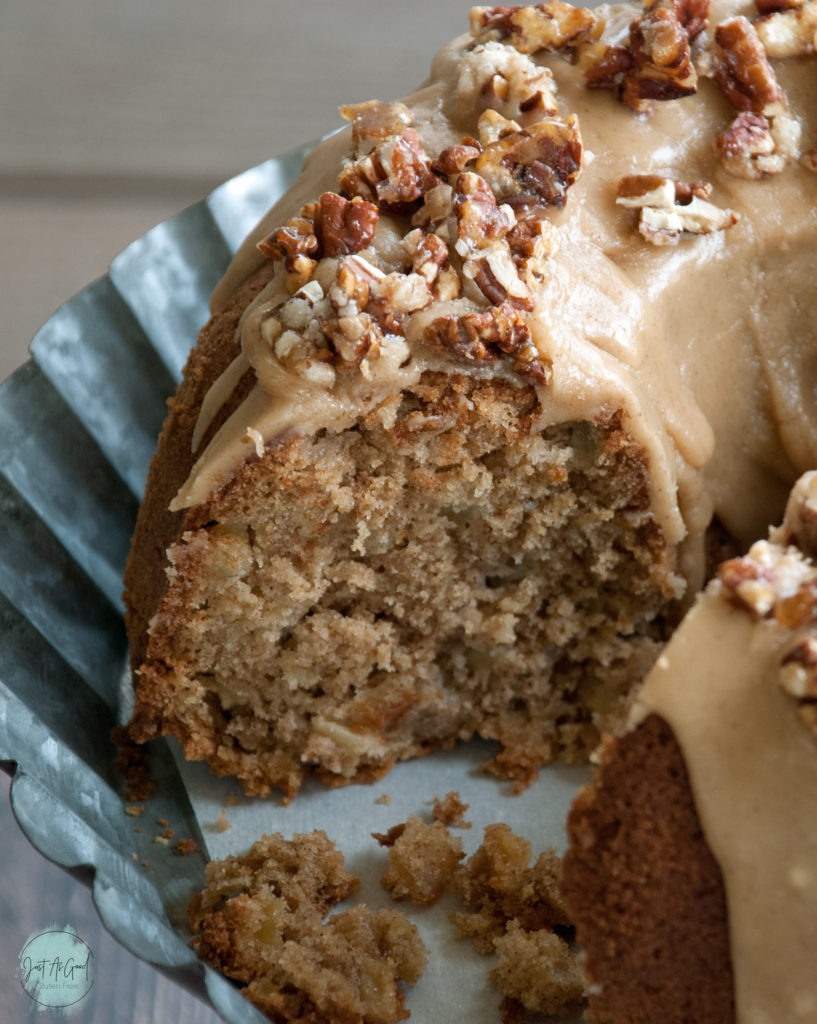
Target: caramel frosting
<point>729,685</point>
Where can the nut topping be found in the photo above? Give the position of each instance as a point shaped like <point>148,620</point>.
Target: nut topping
<point>670,208</point>
<point>693,15</point>
<point>541,161</point>
<point>656,64</point>
<point>548,26</point>
<point>395,174</point>
<point>333,226</point>
<point>485,335</point>
<point>493,76</point>
<point>376,121</point>
<point>743,71</point>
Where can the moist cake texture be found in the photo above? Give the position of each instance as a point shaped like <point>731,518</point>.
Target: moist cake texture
<point>444,458</point>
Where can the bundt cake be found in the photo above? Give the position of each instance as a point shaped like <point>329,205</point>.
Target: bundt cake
<point>444,460</point>
<point>691,871</point>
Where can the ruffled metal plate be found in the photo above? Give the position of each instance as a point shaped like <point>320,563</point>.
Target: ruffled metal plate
<point>78,425</point>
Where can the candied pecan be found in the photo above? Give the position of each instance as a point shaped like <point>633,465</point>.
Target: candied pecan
<point>296,238</point>
<point>454,159</point>
<point>395,174</point>
<point>480,336</point>
<point>479,219</point>
<point>662,64</point>
<point>495,274</point>
<point>529,29</point>
<point>742,69</point>
<point>747,137</point>
<point>428,254</point>
<point>543,160</point>
<point>692,14</point>
<point>376,120</point>
<point>342,225</point>
<point>789,30</point>
<point>606,68</point>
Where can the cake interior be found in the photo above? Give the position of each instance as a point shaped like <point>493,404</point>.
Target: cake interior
<point>445,568</point>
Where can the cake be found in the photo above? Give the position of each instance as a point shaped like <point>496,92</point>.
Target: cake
<point>691,869</point>
<point>444,460</point>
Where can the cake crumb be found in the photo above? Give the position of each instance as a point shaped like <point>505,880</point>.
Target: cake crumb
<point>161,840</point>
<point>450,810</point>
<point>537,973</point>
<point>422,860</point>
<point>138,830</point>
<point>498,886</point>
<point>145,863</point>
<point>134,810</point>
<point>186,846</point>
<point>163,822</point>
<point>222,824</point>
<point>262,920</point>
<point>384,799</point>
<point>232,801</point>
<point>134,856</point>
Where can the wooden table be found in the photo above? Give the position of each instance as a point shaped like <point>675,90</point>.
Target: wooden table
<point>113,116</point>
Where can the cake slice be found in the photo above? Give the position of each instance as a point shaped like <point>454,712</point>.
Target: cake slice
<point>691,869</point>
<point>443,461</point>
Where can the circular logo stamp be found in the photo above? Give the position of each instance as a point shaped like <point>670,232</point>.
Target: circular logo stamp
<point>56,967</point>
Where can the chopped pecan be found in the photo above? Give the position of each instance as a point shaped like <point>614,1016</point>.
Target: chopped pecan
<point>482,336</point>
<point>429,257</point>
<point>437,210</point>
<point>532,242</point>
<point>454,159</point>
<point>296,238</point>
<point>747,585</point>
<point>662,66</point>
<point>669,208</point>
<point>692,14</point>
<point>342,225</point>
<point>605,66</point>
<point>543,160</point>
<point>790,30</point>
<point>352,338</point>
<point>743,71</point>
<point>395,174</point>
<point>529,29</point>
<point>376,121</point>
<point>746,147</point>
<point>495,274</point>
<point>480,221</point>
<point>493,76</point>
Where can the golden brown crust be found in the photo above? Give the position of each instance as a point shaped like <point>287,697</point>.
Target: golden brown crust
<point>644,890</point>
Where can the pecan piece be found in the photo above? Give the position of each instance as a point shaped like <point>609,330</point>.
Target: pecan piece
<point>485,335</point>
<point>748,586</point>
<point>693,15</point>
<point>454,159</point>
<point>344,226</point>
<point>496,77</point>
<point>376,121</point>
<point>395,174</point>
<point>743,71</point>
<point>479,220</point>
<point>662,64</point>
<point>746,147</point>
<point>529,29</point>
<point>670,209</point>
<point>765,7</point>
<point>296,238</point>
<point>789,30</point>
<point>543,160</point>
